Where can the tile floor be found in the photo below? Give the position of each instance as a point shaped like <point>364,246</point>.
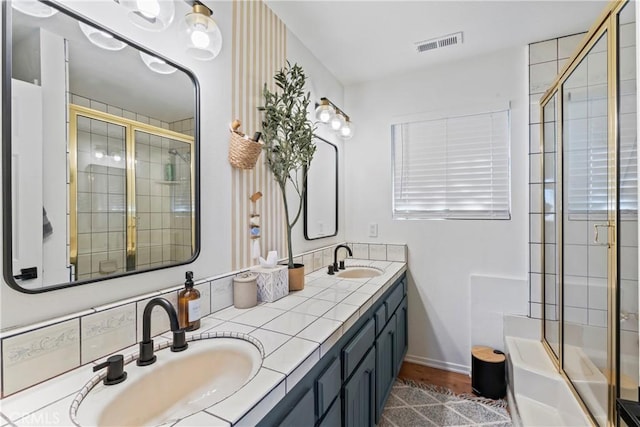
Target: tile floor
<point>412,406</point>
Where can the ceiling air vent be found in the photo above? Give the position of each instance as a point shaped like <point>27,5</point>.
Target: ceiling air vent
<point>440,42</point>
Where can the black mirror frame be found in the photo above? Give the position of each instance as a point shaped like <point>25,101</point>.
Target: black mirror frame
<point>306,196</point>
<point>7,218</point>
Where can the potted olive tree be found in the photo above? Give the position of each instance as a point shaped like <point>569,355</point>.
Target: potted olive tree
<point>287,134</point>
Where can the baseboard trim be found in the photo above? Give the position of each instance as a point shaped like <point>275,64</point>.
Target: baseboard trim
<point>438,364</point>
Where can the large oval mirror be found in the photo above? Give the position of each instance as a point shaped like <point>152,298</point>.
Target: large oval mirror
<point>100,144</point>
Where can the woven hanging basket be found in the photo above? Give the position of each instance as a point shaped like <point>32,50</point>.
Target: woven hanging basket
<point>243,153</point>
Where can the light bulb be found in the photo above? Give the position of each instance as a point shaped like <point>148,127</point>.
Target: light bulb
<point>337,121</point>
<point>324,112</point>
<point>346,131</point>
<point>325,116</point>
<point>201,34</point>
<point>148,8</point>
<point>99,154</point>
<point>116,157</point>
<point>151,15</point>
<point>200,39</point>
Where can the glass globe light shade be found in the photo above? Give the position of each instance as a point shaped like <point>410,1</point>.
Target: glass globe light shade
<point>34,8</point>
<point>156,64</point>
<point>151,15</point>
<point>346,131</point>
<point>324,112</point>
<point>337,121</point>
<point>100,38</point>
<point>201,33</point>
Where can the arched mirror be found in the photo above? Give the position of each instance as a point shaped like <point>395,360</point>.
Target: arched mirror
<point>100,153</point>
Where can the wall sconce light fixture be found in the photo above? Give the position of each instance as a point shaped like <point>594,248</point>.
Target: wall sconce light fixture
<point>34,8</point>
<point>327,112</point>
<point>201,33</point>
<point>151,15</point>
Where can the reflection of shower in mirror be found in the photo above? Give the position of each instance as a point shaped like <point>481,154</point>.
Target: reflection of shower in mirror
<point>186,157</point>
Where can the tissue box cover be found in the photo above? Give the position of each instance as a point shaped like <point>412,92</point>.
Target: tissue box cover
<point>273,283</point>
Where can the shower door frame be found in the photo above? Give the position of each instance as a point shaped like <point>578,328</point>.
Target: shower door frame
<point>131,127</point>
<point>607,23</point>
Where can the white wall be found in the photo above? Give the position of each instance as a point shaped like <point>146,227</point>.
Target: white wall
<point>443,255</point>
<point>17,309</point>
<point>321,83</point>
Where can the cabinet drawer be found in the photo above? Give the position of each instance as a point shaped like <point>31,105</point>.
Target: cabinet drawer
<point>357,348</point>
<point>381,318</point>
<point>333,417</point>
<point>302,414</point>
<point>393,301</point>
<point>328,387</point>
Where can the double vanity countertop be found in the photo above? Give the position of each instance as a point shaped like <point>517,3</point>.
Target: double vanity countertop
<point>295,332</point>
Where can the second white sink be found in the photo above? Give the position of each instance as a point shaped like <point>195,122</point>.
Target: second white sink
<point>359,272</point>
<point>177,385</point>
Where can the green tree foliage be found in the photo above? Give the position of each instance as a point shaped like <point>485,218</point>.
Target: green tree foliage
<point>287,134</point>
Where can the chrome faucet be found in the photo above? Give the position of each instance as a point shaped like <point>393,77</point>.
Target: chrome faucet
<point>335,257</point>
<point>146,356</point>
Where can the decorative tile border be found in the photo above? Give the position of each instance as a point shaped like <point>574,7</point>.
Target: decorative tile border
<point>109,328</point>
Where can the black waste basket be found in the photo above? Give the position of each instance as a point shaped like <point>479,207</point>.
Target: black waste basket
<point>488,372</point>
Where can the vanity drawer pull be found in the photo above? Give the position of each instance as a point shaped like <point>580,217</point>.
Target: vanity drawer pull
<point>381,318</point>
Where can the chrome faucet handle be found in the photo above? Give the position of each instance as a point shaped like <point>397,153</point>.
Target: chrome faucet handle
<point>115,370</point>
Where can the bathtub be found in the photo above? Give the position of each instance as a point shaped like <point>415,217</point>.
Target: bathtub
<point>538,395</point>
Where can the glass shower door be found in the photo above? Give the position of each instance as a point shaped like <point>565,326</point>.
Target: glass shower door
<point>628,206</point>
<point>551,229</point>
<point>586,224</point>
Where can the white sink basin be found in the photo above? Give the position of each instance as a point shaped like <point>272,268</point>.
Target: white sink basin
<point>359,272</point>
<point>177,385</point>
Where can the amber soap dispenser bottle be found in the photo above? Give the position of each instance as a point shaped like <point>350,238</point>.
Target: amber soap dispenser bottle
<point>189,305</point>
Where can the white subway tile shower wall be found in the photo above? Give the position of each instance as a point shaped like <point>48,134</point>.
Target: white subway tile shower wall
<point>93,334</point>
<point>546,59</point>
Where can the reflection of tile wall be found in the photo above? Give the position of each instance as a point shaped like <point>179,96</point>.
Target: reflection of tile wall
<point>100,198</point>
<point>163,207</point>
<point>546,59</point>
<point>186,126</point>
<point>34,354</point>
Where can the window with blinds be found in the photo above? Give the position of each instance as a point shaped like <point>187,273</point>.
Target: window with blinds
<point>452,168</point>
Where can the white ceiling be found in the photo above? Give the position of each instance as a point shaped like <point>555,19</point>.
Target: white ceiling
<point>367,40</point>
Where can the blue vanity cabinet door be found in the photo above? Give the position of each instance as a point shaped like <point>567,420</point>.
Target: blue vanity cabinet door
<point>303,413</point>
<point>402,330</point>
<point>333,418</point>
<point>381,318</point>
<point>394,299</point>
<point>353,352</point>
<point>385,364</point>
<point>359,394</point>
<point>328,387</point>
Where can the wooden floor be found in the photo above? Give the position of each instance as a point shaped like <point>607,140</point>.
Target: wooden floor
<point>458,383</point>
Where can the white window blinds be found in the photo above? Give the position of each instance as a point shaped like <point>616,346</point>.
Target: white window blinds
<point>456,168</point>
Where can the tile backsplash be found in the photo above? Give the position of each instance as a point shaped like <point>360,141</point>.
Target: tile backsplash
<point>36,353</point>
